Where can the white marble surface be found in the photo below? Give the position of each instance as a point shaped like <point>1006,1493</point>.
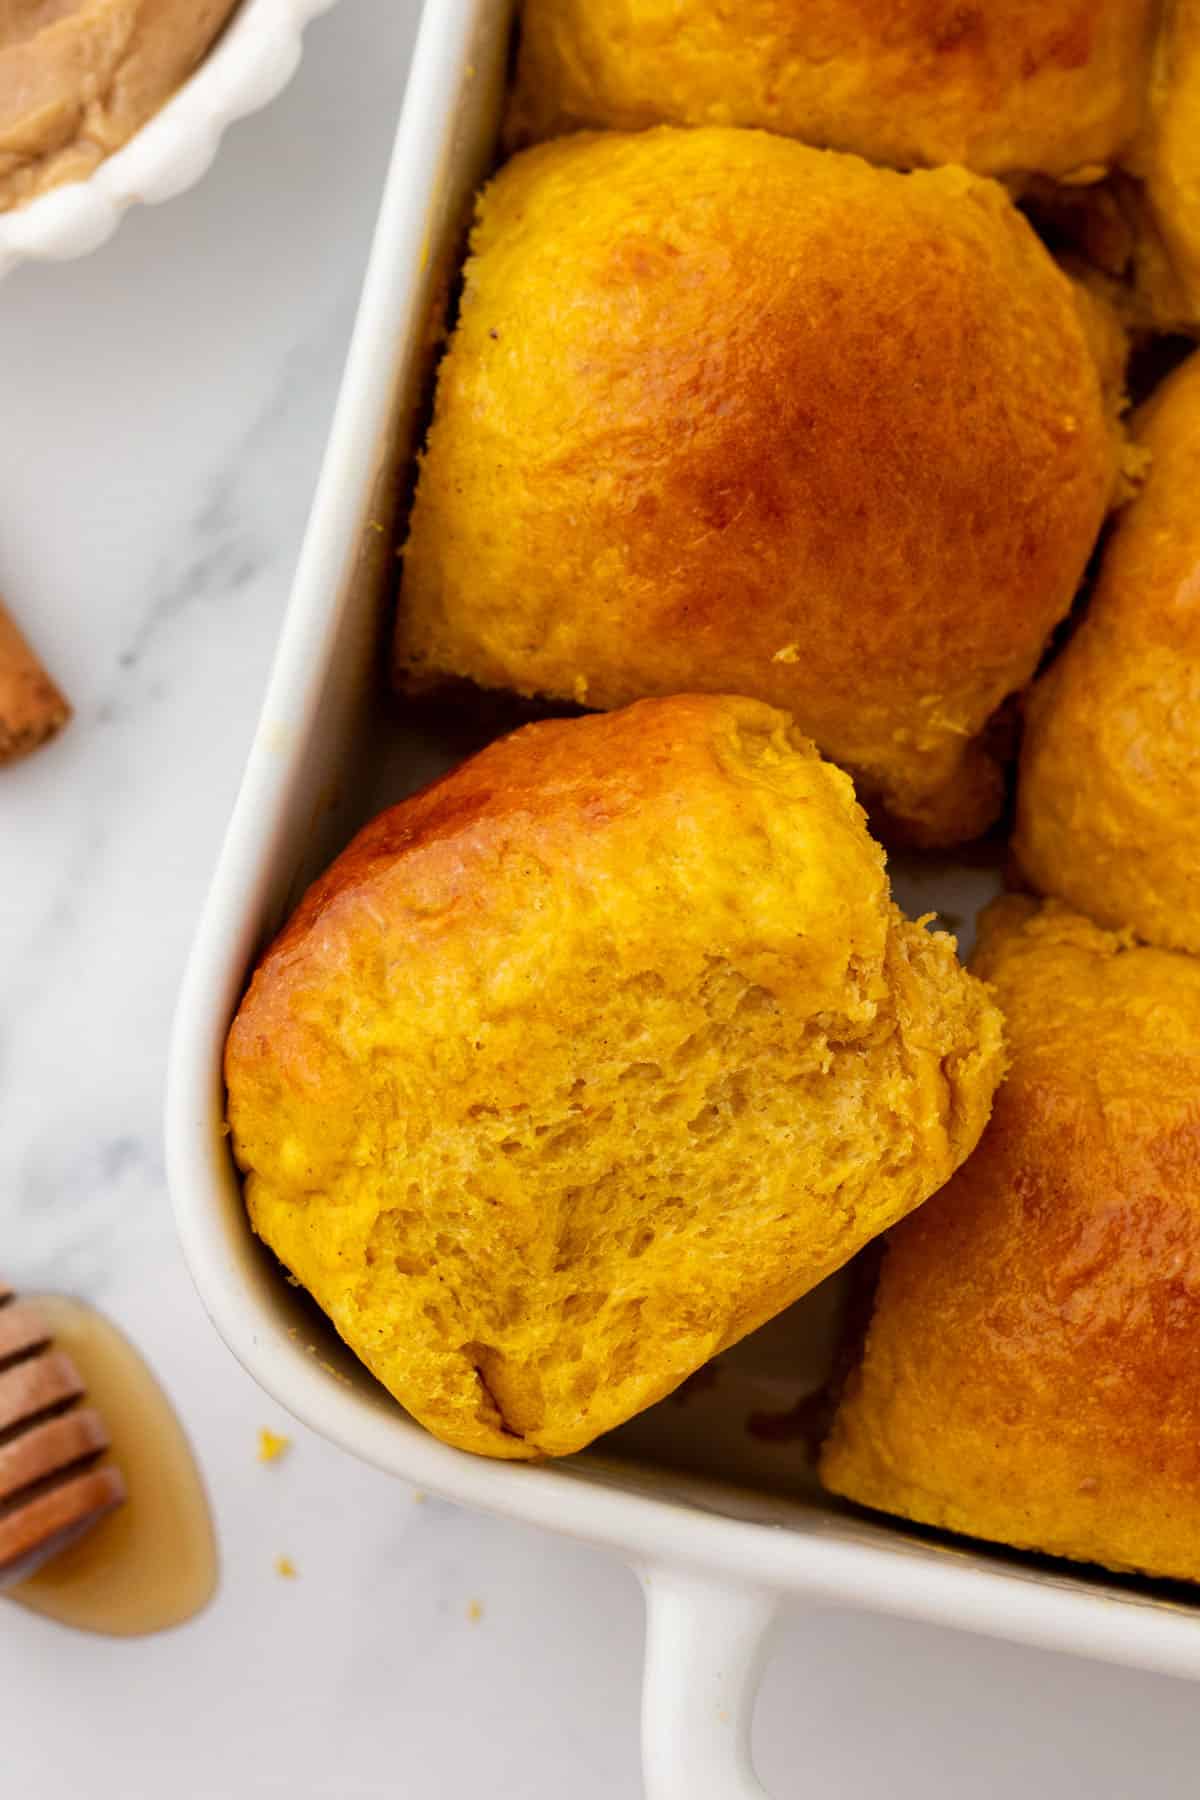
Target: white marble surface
<point>162,408</point>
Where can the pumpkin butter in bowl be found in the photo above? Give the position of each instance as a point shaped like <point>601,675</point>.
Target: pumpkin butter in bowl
<point>79,77</point>
<point>108,104</point>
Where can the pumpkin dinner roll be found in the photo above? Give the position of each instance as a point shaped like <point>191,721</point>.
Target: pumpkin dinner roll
<point>591,1057</point>
<point>1141,225</point>
<point>1056,87</point>
<point>721,412</point>
<point>1031,1373</point>
<point>1108,801</point>
<point>1167,158</point>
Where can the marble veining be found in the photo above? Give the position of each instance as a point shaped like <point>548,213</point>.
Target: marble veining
<point>164,409</point>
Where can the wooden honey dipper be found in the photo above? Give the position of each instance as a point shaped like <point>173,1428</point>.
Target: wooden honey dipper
<point>53,1488</point>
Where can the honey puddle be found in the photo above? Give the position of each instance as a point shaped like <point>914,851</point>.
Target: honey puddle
<point>152,1563</point>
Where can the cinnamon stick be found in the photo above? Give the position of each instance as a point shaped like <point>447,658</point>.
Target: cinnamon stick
<point>32,709</point>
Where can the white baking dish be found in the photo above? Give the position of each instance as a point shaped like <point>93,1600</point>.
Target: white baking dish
<point>253,59</point>
<point>719,1521</point>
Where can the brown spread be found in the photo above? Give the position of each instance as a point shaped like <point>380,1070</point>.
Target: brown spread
<point>79,77</point>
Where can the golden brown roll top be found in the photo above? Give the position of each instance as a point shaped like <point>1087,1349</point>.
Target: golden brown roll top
<point>589,1059</point>
<point>1031,1373</point>
<point>1049,94</point>
<point>1108,809</point>
<point>1003,86</point>
<point>722,412</point>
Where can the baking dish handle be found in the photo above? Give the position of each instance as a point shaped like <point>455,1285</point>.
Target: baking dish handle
<point>706,1643</point>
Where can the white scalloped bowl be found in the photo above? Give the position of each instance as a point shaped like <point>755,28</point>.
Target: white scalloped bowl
<point>253,60</point>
